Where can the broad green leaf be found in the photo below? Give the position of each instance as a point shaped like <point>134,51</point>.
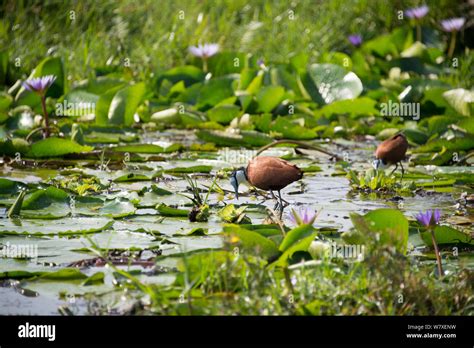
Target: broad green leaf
<point>192,169</point>
<point>327,83</point>
<point>214,91</point>
<point>224,113</point>
<point>165,210</point>
<point>269,97</point>
<point>461,100</point>
<point>296,235</point>
<point>252,242</point>
<point>233,215</point>
<point>77,103</point>
<point>61,227</point>
<point>390,224</point>
<point>188,74</point>
<point>447,235</point>
<point>362,106</point>
<point>125,103</point>
<point>56,147</point>
<point>243,138</point>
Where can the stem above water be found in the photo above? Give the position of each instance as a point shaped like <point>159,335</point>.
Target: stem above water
<point>452,44</point>
<point>438,256</point>
<point>45,114</point>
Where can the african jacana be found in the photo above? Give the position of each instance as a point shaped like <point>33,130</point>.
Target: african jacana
<point>391,151</point>
<point>267,173</point>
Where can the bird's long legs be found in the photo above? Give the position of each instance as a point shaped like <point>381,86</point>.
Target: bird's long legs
<point>403,171</point>
<point>393,171</point>
<point>283,204</point>
<point>401,166</point>
<point>276,199</point>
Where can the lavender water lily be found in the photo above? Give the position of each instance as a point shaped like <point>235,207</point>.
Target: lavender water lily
<point>204,52</point>
<point>430,219</point>
<point>355,40</point>
<point>40,86</point>
<point>452,25</point>
<point>417,13</point>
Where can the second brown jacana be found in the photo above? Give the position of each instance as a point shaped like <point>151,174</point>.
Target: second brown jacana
<point>267,173</point>
<point>391,151</point>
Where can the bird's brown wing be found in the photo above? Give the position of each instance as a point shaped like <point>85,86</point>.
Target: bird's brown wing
<point>392,150</point>
<point>272,173</point>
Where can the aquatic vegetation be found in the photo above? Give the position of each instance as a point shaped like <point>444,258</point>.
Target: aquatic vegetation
<point>302,216</point>
<point>430,219</point>
<point>377,181</point>
<point>40,85</point>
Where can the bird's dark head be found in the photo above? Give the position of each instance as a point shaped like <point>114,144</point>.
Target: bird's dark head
<point>237,177</point>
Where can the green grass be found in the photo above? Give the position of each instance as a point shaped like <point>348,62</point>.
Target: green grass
<point>385,283</point>
<point>153,37</point>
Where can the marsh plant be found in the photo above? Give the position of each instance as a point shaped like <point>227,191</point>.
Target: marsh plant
<point>40,86</point>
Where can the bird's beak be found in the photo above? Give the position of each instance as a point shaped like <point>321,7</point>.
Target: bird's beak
<point>236,189</point>
<point>235,185</point>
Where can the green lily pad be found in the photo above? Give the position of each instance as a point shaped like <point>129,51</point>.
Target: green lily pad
<point>56,147</point>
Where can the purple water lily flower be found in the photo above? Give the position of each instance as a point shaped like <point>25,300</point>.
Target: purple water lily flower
<point>39,84</point>
<point>417,12</point>
<point>355,39</point>
<point>453,24</point>
<point>204,51</point>
<point>302,215</point>
<point>429,218</point>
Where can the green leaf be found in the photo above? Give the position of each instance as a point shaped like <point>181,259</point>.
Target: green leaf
<point>224,113</point>
<point>96,278</point>
<point>132,177</point>
<point>227,63</point>
<point>446,235</point>
<point>116,208</point>
<point>140,148</point>
<point>214,91</point>
<point>296,235</point>
<point>60,227</point>
<point>290,130</point>
<point>56,147</point>
<point>299,245</point>
<point>42,198</point>
<point>192,169</point>
<point>188,74</point>
<point>269,97</point>
<point>5,101</point>
<point>124,104</point>
<point>244,138</point>
<point>252,242</point>
<point>390,224</point>
<point>76,103</point>
<point>327,83</point>
<point>165,210</point>
<point>232,215</point>
<point>461,100</point>
<point>353,107</point>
